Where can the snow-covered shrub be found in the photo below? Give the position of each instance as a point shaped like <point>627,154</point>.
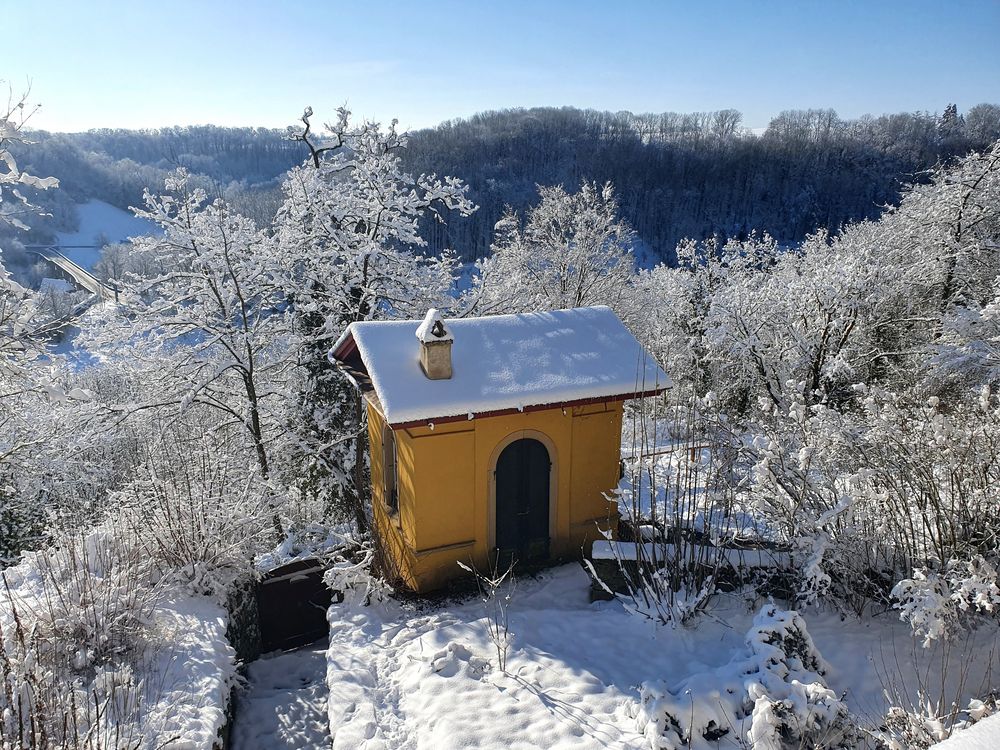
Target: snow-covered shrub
<point>927,692</point>
<point>940,604</point>
<point>100,595</point>
<point>863,496</point>
<point>53,471</point>
<point>22,523</point>
<point>773,698</point>
<point>351,576</point>
<point>496,589</point>
<point>932,475</point>
<point>678,493</point>
<point>200,517</point>
<point>920,730</point>
<point>867,495</point>
<point>968,353</point>
<point>74,637</point>
<point>805,480</point>
<point>98,652</point>
<point>825,354</point>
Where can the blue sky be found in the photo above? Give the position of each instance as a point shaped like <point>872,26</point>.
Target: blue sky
<point>145,64</point>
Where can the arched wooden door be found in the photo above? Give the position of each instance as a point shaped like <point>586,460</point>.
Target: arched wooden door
<point>522,502</point>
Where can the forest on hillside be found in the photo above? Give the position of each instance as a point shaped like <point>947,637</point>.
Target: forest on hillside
<point>696,175</point>
<point>678,176</point>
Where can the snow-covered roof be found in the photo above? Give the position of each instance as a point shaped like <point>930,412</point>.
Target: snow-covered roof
<point>503,362</point>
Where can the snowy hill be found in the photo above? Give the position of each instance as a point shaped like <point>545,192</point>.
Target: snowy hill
<point>100,224</point>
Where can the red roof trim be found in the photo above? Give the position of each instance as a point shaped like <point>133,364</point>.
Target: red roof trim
<point>533,407</point>
<point>347,347</point>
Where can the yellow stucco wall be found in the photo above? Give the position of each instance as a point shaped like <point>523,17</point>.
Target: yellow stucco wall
<point>445,486</point>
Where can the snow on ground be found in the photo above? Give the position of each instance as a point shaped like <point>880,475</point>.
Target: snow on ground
<point>284,702</point>
<point>402,676</point>
<point>100,224</point>
<point>982,736</point>
<point>193,674</point>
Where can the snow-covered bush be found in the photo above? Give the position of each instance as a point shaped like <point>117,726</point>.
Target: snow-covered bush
<point>804,484</point>
<point>933,476</point>
<point>351,576</point>
<point>22,523</point>
<point>924,728</point>
<point>773,698</point>
<point>25,427</point>
<point>98,650</point>
<point>100,594</point>
<point>823,357</point>
<point>942,604</point>
<point>198,518</point>
<point>496,589</point>
<point>869,494</point>
<point>679,494</point>
<point>928,689</point>
<point>74,640</point>
<point>968,353</point>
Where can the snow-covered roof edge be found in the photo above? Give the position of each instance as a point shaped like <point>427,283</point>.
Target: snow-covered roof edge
<point>647,380</point>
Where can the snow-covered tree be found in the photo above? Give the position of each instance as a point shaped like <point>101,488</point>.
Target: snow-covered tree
<point>14,204</point>
<point>347,247</point>
<point>572,251</point>
<point>954,221</point>
<point>15,301</point>
<point>211,330</point>
<point>22,396</point>
<point>348,233</point>
<point>862,367</point>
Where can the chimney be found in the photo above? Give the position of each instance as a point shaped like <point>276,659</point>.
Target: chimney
<point>435,346</point>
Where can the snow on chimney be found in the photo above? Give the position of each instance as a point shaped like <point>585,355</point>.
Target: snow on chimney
<point>435,346</point>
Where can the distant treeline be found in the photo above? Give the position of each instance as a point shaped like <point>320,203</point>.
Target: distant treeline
<point>676,175</point>
<point>695,175</point>
<point>242,164</point>
<point>120,163</point>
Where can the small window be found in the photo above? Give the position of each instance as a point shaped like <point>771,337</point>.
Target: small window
<point>390,492</point>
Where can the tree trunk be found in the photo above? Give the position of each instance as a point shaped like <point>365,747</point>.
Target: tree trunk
<point>258,441</point>
<point>255,430</point>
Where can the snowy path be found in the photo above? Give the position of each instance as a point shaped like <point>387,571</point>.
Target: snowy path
<point>284,704</point>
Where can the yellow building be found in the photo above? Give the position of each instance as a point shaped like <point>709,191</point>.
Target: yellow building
<point>493,439</point>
